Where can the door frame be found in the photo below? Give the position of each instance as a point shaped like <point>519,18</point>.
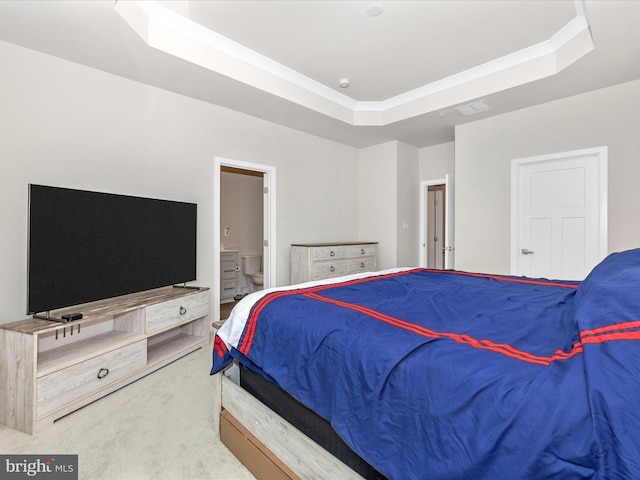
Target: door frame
<point>269,223</point>
<point>601,153</point>
<point>435,227</point>
<point>449,238</point>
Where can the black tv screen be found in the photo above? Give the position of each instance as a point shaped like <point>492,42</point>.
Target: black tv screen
<point>86,246</point>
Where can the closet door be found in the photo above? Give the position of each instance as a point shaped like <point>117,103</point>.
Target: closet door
<point>560,216</point>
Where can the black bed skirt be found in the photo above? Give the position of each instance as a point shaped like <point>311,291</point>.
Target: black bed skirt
<point>305,420</point>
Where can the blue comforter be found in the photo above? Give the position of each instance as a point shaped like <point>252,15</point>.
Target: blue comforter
<point>444,374</point>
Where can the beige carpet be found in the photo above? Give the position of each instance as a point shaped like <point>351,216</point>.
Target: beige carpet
<point>159,427</point>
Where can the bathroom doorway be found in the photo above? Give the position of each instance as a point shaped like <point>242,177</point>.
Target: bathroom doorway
<point>241,235</point>
<point>244,222</point>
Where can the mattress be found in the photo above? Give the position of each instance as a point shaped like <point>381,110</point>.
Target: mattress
<point>306,420</point>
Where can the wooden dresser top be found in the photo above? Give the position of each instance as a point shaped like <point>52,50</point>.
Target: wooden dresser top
<point>331,244</point>
<point>101,308</point>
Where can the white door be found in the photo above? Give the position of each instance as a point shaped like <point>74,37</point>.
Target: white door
<point>267,224</point>
<point>449,229</point>
<point>449,222</point>
<point>559,207</point>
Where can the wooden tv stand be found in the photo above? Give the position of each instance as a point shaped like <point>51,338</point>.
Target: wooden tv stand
<point>50,369</point>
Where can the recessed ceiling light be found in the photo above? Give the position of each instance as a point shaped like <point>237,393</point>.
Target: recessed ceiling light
<point>374,9</point>
<point>344,83</point>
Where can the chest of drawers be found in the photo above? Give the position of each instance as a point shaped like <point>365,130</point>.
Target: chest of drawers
<point>316,261</point>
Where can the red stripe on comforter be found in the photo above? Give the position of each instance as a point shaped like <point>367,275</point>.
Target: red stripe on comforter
<point>261,304</point>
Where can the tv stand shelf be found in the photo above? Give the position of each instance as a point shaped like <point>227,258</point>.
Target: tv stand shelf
<point>50,369</point>
<point>58,358</point>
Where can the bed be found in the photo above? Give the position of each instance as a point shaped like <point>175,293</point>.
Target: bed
<point>445,374</point>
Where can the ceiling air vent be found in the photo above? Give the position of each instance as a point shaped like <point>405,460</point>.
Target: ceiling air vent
<point>475,107</point>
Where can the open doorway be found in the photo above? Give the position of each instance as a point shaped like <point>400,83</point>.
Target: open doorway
<point>264,246</point>
<point>241,235</point>
<point>435,226</point>
<point>437,233</point>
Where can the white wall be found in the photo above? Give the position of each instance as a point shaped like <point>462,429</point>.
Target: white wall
<point>389,197</point>
<point>407,222</point>
<point>241,211</point>
<point>437,161</point>
<point>483,154</point>
<point>378,200</point>
<point>68,125</point>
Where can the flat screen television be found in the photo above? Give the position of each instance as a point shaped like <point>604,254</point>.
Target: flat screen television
<point>86,246</point>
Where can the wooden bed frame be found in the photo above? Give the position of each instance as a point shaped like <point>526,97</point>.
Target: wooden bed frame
<point>269,446</point>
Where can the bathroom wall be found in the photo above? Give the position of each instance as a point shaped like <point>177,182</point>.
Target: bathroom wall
<point>241,216</point>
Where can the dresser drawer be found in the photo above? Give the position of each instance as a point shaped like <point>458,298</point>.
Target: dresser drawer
<point>228,274</point>
<point>361,250</point>
<point>328,253</point>
<point>365,264</point>
<point>315,261</point>
<point>174,312</point>
<point>228,269</point>
<point>228,288</point>
<point>64,386</point>
<point>321,270</point>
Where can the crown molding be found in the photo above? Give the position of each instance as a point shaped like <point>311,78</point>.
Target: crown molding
<point>175,34</point>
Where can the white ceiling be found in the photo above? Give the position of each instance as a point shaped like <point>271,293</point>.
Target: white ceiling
<point>408,45</point>
<point>408,67</point>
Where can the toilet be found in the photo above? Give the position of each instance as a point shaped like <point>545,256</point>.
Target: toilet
<point>251,264</point>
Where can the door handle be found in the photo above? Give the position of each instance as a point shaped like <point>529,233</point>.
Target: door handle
<point>525,251</point>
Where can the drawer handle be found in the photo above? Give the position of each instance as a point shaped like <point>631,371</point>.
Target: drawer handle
<point>362,265</point>
<point>333,269</point>
<point>182,310</point>
<point>333,254</point>
<point>103,372</point>
<point>362,251</point>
